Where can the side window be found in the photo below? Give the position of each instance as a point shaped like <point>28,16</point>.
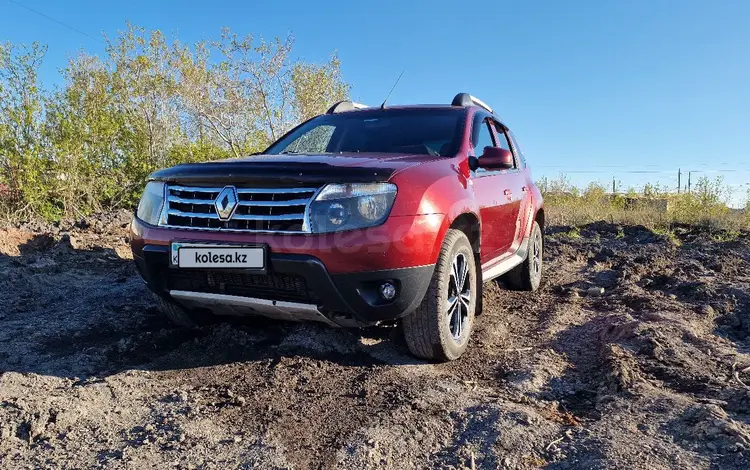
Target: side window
<point>481,137</point>
<point>501,137</point>
<point>517,149</point>
<point>505,141</point>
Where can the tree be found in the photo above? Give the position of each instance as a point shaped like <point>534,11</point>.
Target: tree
<point>216,105</point>
<point>316,87</point>
<point>22,165</point>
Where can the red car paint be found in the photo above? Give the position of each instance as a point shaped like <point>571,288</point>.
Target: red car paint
<point>433,192</point>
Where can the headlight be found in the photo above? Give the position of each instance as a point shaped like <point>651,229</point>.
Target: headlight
<point>152,202</point>
<point>351,206</point>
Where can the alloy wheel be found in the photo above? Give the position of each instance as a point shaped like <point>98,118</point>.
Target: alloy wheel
<point>459,297</point>
<point>536,256</point>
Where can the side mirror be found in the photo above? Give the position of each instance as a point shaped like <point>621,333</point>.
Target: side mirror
<point>495,158</point>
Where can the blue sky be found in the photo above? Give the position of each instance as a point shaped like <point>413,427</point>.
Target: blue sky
<point>593,89</point>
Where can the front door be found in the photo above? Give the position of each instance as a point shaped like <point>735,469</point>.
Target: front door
<point>494,196</point>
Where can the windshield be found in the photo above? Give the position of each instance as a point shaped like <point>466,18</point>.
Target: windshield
<point>433,132</point>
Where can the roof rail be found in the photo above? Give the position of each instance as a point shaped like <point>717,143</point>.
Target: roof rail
<point>343,106</point>
<point>465,99</point>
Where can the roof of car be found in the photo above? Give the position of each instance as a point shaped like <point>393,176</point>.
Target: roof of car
<point>461,100</point>
<point>416,107</point>
<point>408,107</point>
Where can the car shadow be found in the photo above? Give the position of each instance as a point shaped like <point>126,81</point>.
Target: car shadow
<point>82,313</point>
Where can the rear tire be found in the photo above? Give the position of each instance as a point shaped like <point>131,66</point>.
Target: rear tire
<point>439,329</point>
<point>528,275</point>
<point>181,316</point>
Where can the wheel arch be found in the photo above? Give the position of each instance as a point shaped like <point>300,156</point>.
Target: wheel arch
<point>539,218</point>
<point>469,224</point>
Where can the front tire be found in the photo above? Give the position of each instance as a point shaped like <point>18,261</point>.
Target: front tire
<point>439,329</point>
<point>181,316</point>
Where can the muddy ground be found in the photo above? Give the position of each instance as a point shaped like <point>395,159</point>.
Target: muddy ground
<point>649,374</point>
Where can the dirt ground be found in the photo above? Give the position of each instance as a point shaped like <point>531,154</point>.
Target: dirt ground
<point>650,373</point>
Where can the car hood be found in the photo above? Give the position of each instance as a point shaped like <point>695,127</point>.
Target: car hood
<point>292,169</point>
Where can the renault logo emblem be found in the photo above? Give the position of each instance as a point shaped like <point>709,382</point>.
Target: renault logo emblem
<point>226,202</point>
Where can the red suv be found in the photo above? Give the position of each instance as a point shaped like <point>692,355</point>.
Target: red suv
<point>353,218</point>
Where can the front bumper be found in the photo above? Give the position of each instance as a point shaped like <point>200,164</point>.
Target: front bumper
<point>302,281</point>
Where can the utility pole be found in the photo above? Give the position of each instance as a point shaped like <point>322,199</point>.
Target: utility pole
<point>679,177</point>
<point>614,186</point>
<point>690,173</point>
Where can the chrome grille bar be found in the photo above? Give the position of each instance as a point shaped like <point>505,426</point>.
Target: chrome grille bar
<point>293,202</point>
<point>275,191</point>
<point>183,200</point>
<point>199,215</point>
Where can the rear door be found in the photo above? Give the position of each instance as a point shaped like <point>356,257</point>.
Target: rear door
<point>491,192</point>
<point>516,191</point>
<point>527,207</point>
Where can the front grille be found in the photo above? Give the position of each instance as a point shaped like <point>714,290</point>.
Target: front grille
<point>284,287</point>
<point>258,209</point>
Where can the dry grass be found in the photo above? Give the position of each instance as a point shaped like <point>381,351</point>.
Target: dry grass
<point>653,207</point>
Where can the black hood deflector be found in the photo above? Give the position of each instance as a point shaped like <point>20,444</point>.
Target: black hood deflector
<point>265,173</point>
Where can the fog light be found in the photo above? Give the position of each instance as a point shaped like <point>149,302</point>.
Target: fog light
<point>387,290</point>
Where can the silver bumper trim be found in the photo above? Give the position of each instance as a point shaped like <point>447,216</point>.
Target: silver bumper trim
<point>222,304</point>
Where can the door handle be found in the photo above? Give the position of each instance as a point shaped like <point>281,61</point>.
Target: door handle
<point>508,194</point>
<point>524,189</point>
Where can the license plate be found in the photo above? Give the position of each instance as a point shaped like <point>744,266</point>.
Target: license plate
<point>189,255</point>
